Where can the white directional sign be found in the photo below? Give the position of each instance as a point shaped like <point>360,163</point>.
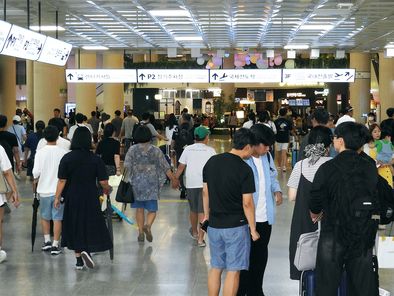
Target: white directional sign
<point>245,76</point>
<point>101,75</point>
<point>4,30</point>
<point>172,76</point>
<point>23,43</point>
<point>318,75</point>
<point>55,52</point>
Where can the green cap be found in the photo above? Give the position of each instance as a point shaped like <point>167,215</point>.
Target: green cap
<point>201,132</point>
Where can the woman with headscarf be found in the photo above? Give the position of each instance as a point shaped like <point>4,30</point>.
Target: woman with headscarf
<point>299,184</point>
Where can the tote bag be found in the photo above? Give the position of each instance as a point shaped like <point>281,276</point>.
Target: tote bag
<point>125,192</point>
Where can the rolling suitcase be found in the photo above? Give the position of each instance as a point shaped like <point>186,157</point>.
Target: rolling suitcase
<point>307,284</point>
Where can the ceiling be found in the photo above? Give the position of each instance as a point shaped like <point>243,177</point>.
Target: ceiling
<point>359,25</point>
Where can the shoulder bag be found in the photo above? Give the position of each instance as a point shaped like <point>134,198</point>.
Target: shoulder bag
<point>125,192</point>
<point>4,187</point>
<point>305,256</point>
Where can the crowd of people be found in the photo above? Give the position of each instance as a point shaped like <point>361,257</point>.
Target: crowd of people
<point>232,196</point>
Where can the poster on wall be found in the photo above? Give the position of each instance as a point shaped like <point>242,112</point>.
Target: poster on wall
<point>269,96</point>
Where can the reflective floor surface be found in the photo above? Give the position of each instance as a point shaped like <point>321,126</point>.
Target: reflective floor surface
<point>171,265</point>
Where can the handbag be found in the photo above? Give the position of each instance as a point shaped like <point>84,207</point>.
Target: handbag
<point>4,187</point>
<point>125,193</point>
<point>305,256</point>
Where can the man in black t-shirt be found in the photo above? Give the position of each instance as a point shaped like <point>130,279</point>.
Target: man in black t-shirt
<point>228,205</point>
<point>10,144</point>
<point>58,122</point>
<point>283,129</point>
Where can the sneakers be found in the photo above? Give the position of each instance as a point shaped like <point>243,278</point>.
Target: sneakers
<point>193,236</point>
<point>201,244</point>
<point>46,247</point>
<point>148,233</point>
<point>79,265</point>
<point>3,256</point>
<point>87,259</point>
<point>141,238</point>
<point>55,250</point>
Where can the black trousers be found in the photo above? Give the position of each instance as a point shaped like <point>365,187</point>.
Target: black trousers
<point>251,281</point>
<point>233,129</point>
<point>361,278</point>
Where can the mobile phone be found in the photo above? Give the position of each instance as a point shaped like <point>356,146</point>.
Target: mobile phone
<point>204,225</point>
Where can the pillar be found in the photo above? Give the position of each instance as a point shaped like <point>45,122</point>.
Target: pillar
<point>151,57</point>
<point>48,80</point>
<point>113,92</point>
<point>386,84</point>
<point>85,92</point>
<point>334,90</point>
<point>138,58</point>
<point>360,89</point>
<point>228,89</point>
<point>7,87</point>
<point>30,85</point>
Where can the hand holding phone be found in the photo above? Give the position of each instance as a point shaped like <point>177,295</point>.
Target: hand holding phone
<point>204,225</point>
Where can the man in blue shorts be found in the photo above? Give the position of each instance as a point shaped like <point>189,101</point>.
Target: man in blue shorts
<point>228,187</point>
<point>46,164</point>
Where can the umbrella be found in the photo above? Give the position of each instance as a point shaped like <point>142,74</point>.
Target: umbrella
<point>36,204</point>
<point>122,215</point>
<point>109,224</point>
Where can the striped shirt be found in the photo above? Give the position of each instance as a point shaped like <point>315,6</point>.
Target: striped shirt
<point>308,171</point>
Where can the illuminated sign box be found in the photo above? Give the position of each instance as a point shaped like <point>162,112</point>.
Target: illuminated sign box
<point>318,75</point>
<point>101,76</point>
<point>172,76</point>
<point>55,52</point>
<point>245,76</point>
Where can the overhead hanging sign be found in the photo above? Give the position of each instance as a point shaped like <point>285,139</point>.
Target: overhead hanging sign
<point>172,76</point>
<point>101,75</point>
<point>23,43</point>
<point>55,52</point>
<point>4,30</point>
<point>245,76</point>
<point>318,75</point>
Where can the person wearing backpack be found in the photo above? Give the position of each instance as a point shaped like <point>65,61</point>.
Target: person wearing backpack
<point>182,137</point>
<point>344,193</point>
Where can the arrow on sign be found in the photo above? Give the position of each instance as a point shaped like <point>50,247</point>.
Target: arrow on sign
<point>70,76</point>
<point>142,76</point>
<point>215,76</point>
<point>347,73</point>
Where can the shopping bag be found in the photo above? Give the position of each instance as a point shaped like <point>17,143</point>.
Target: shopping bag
<point>125,193</point>
<point>386,251</point>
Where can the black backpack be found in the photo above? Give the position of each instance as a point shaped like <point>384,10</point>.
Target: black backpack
<point>353,209</point>
<point>386,201</point>
<point>183,138</point>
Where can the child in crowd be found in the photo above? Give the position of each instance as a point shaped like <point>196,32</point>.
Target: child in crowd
<point>385,150</point>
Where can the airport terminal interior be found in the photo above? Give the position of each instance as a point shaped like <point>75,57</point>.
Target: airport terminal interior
<point>162,57</point>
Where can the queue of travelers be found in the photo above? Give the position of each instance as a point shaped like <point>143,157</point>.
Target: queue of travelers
<point>232,196</point>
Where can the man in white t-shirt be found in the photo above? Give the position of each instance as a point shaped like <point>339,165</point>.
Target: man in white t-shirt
<point>46,164</point>
<point>193,158</point>
<point>268,195</point>
<point>6,170</point>
<point>347,116</point>
<point>60,142</point>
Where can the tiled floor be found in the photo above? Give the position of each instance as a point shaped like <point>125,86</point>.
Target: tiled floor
<point>171,265</point>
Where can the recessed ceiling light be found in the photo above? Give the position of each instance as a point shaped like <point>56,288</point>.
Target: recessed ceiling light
<point>169,13</point>
<point>47,28</point>
<point>188,38</point>
<point>317,27</point>
<point>296,46</point>
<point>94,47</point>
